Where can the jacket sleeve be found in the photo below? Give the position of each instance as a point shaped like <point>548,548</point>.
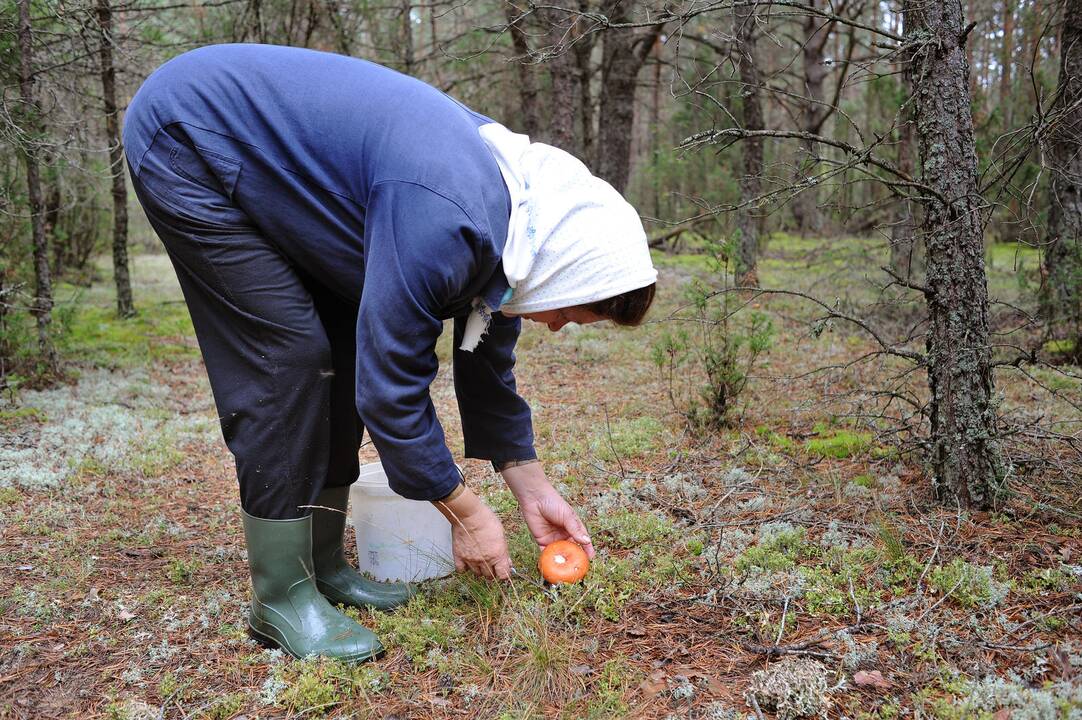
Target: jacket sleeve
<point>496,422</point>
<point>419,254</point>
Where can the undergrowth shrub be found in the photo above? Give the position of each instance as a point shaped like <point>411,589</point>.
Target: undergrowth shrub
<point>707,361</point>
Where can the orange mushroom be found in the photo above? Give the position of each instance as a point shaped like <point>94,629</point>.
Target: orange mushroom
<point>563,561</point>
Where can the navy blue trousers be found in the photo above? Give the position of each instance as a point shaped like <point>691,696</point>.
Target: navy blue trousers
<point>279,348</point>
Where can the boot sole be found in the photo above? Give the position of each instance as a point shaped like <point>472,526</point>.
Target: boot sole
<point>270,643</point>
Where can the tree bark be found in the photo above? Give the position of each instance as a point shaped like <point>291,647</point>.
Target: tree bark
<point>1006,58</point>
<point>1063,259</point>
<point>125,308</point>
<point>747,250</point>
<point>906,256</point>
<point>564,80</point>
<point>623,55</point>
<point>964,455</point>
<point>31,116</point>
<point>527,79</point>
<point>815,35</point>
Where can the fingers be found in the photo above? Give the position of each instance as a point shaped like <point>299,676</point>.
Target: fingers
<point>502,568</point>
<point>575,530</point>
<point>579,534</point>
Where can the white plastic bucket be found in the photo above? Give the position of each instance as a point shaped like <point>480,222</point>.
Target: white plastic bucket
<point>398,539</point>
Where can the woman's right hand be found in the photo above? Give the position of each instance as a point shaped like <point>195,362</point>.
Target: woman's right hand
<point>477,537</point>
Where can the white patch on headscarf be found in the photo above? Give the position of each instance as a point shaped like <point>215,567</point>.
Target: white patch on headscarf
<point>572,238</point>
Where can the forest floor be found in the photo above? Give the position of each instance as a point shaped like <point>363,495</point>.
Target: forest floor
<point>794,564</point>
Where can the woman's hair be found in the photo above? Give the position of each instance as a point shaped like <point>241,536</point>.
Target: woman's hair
<point>627,308</point>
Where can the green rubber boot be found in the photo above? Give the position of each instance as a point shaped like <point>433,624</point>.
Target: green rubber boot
<point>287,609</point>
<point>335,577</point>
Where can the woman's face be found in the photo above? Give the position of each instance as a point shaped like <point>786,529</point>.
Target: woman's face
<point>556,319</point>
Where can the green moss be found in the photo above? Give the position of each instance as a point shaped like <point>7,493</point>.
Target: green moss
<point>629,529</point>
<point>182,571</point>
<point>695,262</point>
<point>777,440</point>
<point>866,481</point>
<point>9,496</point>
<point>1011,255</point>
<point>502,501</point>
<point>606,695</point>
<point>314,687</point>
<point>96,335</point>
<point>628,438</point>
<point>839,444</point>
<point>779,551</point>
<point>969,585</point>
<point>418,627</point>
<point>157,457</point>
<point>1059,347</point>
<point>608,586</point>
<point>11,419</point>
<point>832,587</point>
<point>901,572</point>
<point>224,707</point>
<point>1044,580</point>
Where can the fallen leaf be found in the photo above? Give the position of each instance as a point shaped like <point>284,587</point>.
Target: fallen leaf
<point>653,684</point>
<point>712,684</point>
<point>873,678</point>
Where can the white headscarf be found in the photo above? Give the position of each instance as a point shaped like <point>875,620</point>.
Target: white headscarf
<point>572,238</point>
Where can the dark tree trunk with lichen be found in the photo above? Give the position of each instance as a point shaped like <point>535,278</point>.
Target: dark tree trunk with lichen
<point>125,308</point>
<point>1063,258</point>
<point>812,116</point>
<point>31,127</point>
<point>964,454</point>
<point>747,222</point>
<point>623,54</point>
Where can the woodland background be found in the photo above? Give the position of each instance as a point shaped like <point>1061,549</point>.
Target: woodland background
<point>864,364</point>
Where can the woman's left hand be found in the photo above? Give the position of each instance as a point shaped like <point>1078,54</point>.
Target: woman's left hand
<point>547,514</point>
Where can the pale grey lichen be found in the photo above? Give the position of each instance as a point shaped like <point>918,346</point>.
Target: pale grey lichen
<point>272,688</point>
<point>837,537</point>
<point>110,420</point>
<point>1059,701</point>
<point>858,655</point>
<point>683,690</point>
<point>792,688</point>
<point>685,486</point>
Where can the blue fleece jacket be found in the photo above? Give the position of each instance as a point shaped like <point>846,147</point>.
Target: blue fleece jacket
<point>381,188</point>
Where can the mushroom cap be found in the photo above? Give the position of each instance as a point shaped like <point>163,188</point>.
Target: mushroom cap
<point>563,561</point>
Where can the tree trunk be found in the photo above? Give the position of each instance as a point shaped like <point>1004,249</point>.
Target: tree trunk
<point>1006,58</point>
<point>806,204</point>
<point>51,219</point>
<point>906,257</point>
<point>747,250</point>
<point>124,305</point>
<point>1063,259</point>
<point>584,49</point>
<point>964,456</point>
<point>623,55</point>
<point>31,116</point>
<point>565,94</point>
<point>527,79</point>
